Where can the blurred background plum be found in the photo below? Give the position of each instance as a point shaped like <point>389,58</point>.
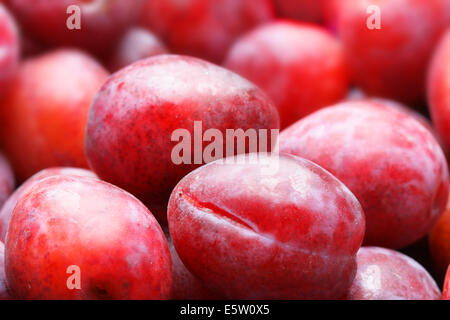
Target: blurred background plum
<point>204,28</point>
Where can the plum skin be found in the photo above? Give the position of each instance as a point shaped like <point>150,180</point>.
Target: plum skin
<point>299,65</point>
<point>5,293</point>
<point>391,61</point>
<point>8,208</point>
<point>44,112</point>
<point>439,89</point>
<point>391,162</point>
<point>289,234</point>
<point>73,220</point>
<point>103,22</point>
<point>204,28</point>
<point>185,285</point>
<point>439,242</point>
<point>384,274</point>
<point>7,181</point>
<point>446,293</point>
<point>131,121</point>
<point>136,44</point>
<point>9,44</point>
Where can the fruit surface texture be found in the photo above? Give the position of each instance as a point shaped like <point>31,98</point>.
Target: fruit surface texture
<point>44,113</point>
<point>66,224</point>
<point>277,228</point>
<point>301,66</point>
<point>390,161</point>
<point>385,274</point>
<point>135,114</point>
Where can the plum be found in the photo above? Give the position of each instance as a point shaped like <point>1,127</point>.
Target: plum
<point>9,46</point>
<point>275,228</point>
<point>138,110</point>
<point>390,161</point>
<point>425,121</point>
<point>44,113</point>
<point>136,44</point>
<point>5,293</point>
<point>391,61</point>
<point>74,237</point>
<point>439,90</point>
<point>8,208</point>
<point>446,293</point>
<point>439,241</point>
<point>185,285</point>
<point>384,274</point>
<point>299,65</point>
<point>415,114</point>
<point>102,22</point>
<point>204,28</point>
<point>7,181</point>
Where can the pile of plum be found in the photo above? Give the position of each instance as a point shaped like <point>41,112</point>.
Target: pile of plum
<point>349,201</point>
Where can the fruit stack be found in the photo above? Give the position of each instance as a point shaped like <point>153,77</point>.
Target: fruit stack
<point>142,158</point>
